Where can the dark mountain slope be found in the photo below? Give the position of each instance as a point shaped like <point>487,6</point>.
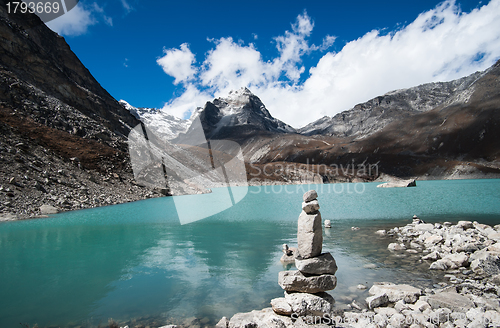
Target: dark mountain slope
<point>372,116</point>
<point>62,136</point>
<point>238,116</point>
<point>42,77</point>
<point>460,137</point>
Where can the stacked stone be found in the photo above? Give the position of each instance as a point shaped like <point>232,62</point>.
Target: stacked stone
<point>305,288</point>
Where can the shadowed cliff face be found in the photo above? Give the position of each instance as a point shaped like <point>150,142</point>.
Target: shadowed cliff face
<point>372,116</point>
<point>41,77</point>
<point>62,136</point>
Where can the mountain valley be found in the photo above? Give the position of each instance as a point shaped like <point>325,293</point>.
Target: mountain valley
<point>65,139</point>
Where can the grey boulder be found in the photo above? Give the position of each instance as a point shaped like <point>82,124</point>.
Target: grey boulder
<point>309,235</point>
<point>280,306</point>
<point>259,318</point>
<point>48,209</point>
<point>407,293</point>
<point>377,300</point>
<point>295,281</point>
<point>486,262</point>
<point>450,300</point>
<point>324,263</point>
<point>310,207</point>
<point>310,195</point>
<point>304,304</point>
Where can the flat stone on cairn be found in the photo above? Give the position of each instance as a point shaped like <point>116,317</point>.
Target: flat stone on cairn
<point>309,196</point>
<point>311,207</point>
<point>316,271</point>
<point>324,263</point>
<point>296,281</point>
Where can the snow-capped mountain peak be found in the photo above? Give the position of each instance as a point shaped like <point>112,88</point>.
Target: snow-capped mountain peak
<point>165,125</point>
<point>239,113</point>
<point>243,109</point>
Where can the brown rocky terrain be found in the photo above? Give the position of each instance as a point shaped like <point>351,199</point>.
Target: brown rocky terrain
<point>456,139</point>
<point>62,135</point>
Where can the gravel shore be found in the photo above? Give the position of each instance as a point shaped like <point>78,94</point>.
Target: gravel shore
<point>468,252</point>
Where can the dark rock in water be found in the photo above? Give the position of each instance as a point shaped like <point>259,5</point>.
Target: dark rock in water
<point>289,254</point>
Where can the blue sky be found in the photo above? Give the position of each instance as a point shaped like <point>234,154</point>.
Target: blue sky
<point>303,59</point>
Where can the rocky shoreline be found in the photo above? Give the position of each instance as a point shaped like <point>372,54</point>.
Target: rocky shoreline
<point>34,182</point>
<point>468,252</point>
<point>32,177</point>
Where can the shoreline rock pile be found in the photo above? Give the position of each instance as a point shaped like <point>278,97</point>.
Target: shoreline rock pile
<point>470,247</point>
<point>468,251</point>
<point>305,287</point>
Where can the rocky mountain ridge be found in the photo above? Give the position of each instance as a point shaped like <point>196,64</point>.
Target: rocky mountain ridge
<point>433,131</point>
<point>369,117</point>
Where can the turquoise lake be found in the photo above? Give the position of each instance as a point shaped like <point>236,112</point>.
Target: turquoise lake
<point>135,261</point>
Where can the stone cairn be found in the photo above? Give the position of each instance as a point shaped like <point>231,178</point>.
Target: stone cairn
<point>305,288</point>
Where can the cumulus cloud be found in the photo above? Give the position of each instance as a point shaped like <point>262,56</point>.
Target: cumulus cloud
<point>77,21</point>
<point>178,63</point>
<point>190,99</point>
<point>439,45</point>
<point>74,22</point>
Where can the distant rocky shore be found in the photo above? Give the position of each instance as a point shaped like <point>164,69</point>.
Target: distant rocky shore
<point>33,177</point>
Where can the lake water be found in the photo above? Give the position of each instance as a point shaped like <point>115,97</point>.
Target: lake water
<point>136,263</point>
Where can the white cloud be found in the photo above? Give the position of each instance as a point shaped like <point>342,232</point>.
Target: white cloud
<point>128,8</point>
<point>441,44</point>
<point>74,22</point>
<point>328,41</point>
<point>185,104</point>
<point>231,65</point>
<point>178,63</point>
<point>108,20</point>
<point>77,21</point>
